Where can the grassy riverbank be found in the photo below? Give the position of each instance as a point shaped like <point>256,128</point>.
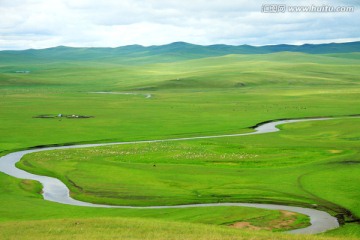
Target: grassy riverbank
<point>307,163</point>
<point>292,166</point>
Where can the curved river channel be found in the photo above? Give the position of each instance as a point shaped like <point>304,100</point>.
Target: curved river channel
<point>56,191</point>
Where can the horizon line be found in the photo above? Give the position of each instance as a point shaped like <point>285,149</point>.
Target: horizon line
<point>183,42</point>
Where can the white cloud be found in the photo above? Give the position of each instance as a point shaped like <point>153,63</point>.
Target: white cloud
<point>110,23</point>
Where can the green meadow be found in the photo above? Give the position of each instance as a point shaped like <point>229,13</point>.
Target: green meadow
<point>312,164</point>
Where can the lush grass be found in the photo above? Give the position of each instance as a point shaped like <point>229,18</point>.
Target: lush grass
<point>24,203</point>
<point>167,114</point>
<point>197,97</point>
<point>120,228</point>
<point>190,98</point>
<point>226,170</point>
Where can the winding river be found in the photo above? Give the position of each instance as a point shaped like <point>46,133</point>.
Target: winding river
<point>56,191</point>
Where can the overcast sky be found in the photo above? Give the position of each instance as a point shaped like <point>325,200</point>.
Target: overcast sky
<point>110,23</point>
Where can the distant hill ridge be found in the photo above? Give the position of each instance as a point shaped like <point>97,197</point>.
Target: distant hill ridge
<point>167,53</point>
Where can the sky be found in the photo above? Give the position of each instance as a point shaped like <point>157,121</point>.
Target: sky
<point>40,24</point>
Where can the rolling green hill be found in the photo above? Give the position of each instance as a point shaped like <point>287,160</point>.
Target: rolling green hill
<point>136,54</point>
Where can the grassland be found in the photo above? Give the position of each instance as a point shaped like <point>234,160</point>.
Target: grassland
<point>120,228</point>
<point>226,170</point>
<point>307,163</point>
<point>208,92</point>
